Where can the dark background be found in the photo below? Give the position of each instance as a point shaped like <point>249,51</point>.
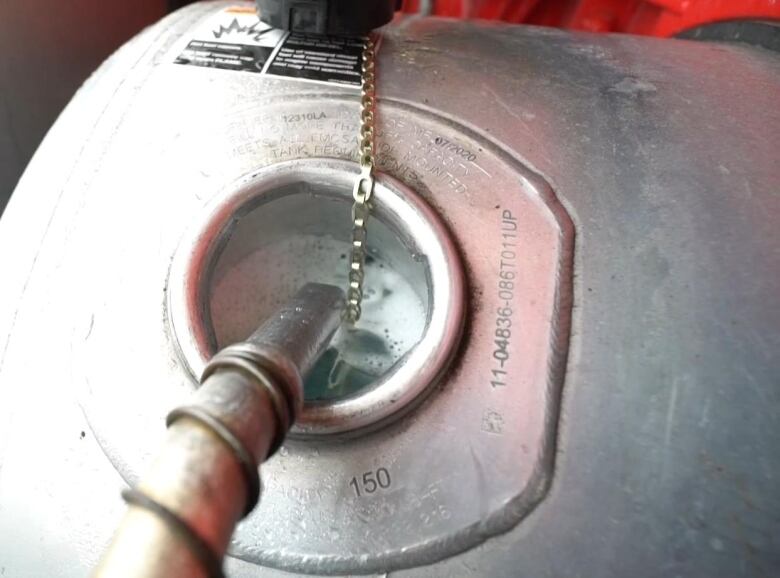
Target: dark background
<point>48,48</point>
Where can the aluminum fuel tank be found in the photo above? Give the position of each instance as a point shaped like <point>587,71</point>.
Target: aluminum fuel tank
<point>568,360</point>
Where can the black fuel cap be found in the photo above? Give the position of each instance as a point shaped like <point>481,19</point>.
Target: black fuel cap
<point>327,17</point>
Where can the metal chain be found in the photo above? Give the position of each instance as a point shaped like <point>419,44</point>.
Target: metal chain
<point>364,185</point>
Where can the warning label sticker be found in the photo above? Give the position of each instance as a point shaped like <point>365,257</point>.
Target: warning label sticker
<point>235,39</point>
<point>324,59</point>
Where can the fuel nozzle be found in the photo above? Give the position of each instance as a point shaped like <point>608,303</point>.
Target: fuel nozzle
<point>183,512</point>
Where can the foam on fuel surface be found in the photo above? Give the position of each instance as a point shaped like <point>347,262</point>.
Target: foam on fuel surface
<point>392,322</point>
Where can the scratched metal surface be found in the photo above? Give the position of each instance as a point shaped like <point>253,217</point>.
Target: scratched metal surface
<point>661,152</point>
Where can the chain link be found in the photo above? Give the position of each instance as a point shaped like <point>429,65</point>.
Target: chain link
<point>364,185</point>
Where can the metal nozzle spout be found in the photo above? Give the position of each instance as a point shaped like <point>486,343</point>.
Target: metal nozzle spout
<point>183,512</point>
<point>302,329</point>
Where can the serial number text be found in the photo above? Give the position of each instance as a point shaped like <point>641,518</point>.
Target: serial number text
<point>505,292</point>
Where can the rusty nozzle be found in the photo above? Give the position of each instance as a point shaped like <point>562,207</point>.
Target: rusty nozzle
<point>182,514</point>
